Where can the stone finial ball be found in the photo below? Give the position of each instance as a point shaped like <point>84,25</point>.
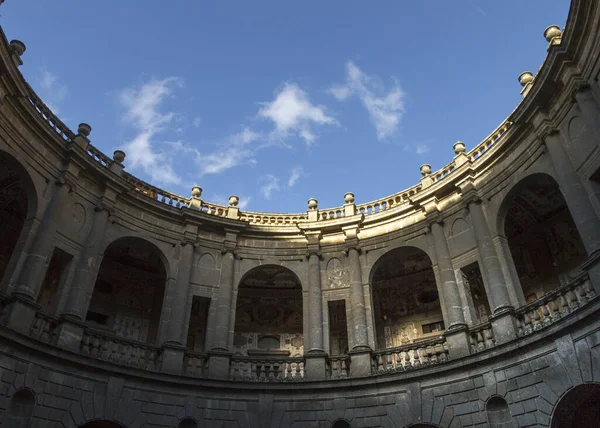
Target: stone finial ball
<point>425,170</point>
<point>84,129</point>
<point>525,78</point>
<point>552,32</point>
<point>349,198</point>
<point>18,47</point>
<point>196,191</point>
<point>119,156</point>
<point>313,204</point>
<point>234,201</point>
<point>459,147</point>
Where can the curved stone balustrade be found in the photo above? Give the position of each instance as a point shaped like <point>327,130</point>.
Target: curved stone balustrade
<point>411,357</point>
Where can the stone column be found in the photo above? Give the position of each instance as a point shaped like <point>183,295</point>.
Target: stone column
<point>70,330</point>
<point>503,322</point>
<point>219,356</point>
<point>316,367</point>
<point>173,347</point>
<point>22,310</point>
<point>582,211</point>
<point>456,332</point>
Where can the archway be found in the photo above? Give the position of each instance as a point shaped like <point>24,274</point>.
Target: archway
<point>188,423</point>
<point>20,409</point>
<point>102,424</point>
<point>580,407</point>
<point>406,304</point>
<point>341,423</point>
<point>497,412</point>
<point>129,290</point>
<point>18,203</point>
<point>268,316</point>
<point>544,242</point>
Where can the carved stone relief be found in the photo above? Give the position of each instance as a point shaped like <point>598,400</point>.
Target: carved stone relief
<point>337,274</point>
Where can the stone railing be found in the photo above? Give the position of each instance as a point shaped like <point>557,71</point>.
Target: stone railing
<point>339,366</point>
<point>155,193</point>
<point>213,209</point>
<point>99,157</point>
<point>482,337</point>
<point>46,114</point>
<point>195,364</point>
<point>410,357</point>
<point>258,369</point>
<point>43,327</point>
<point>555,305</point>
<point>271,219</point>
<point>117,350</point>
<point>489,141</point>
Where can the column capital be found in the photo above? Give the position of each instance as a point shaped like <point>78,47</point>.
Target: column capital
<point>104,205</point>
<point>229,248</point>
<point>314,251</point>
<point>353,246</point>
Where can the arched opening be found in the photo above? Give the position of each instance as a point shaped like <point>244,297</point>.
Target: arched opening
<point>101,424</point>
<point>20,409</point>
<point>405,298</point>
<point>17,204</point>
<point>188,423</point>
<point>544,242</point>
<point>341,423</point>
<point>497,412</point>
<point>268,316</point>
<point>422,426</point>
<point>128,293</point>
<point>580,407</point>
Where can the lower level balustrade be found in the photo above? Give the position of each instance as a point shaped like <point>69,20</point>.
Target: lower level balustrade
<point>253,369</point>
<point>120,351</point>
<point>555,305</point>
<point>195,364</point>
<point>43,327</point>
<point>482,337</point>
<point>409,357</point>
<point>339,366</point>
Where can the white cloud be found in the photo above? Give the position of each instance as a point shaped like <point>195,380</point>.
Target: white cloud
<point>234,151</point>
<point>292,113</point>
<point>143,113</point>
<point>421,149</point>
<point>385,108</point>
<point>52,91</point>
<point>269,184</point>
<point>196,122</point>
<point>296,173</point>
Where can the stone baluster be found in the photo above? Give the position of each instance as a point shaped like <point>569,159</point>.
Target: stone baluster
<point>503,319</point>
<point>456,332</point>
<point>219,356</point>
<point>360,355</point>
<point>175,306</point>
<point>580,206</point>
<point>22,310</point>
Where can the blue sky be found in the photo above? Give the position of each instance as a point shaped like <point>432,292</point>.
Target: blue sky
<point>279,101</point>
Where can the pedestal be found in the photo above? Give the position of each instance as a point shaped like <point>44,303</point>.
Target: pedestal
<point>457,341</point>
<point>504,326</point>
<point>20,314</point>
<point>219,363</point>
<point>315,365</point>
<point>172,358</point>
<point>361,362</point>
<point>69,333</point>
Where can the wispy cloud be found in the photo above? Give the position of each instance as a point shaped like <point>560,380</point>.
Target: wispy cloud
<point>292,113</point>
<point>385,108</point>
<point>52,91</point>
<point>296,173</point>
<point>196,122</point>
<point>143,113</point>
<point>269,184</point>
<point>419,148</point>
<point>477,8</point>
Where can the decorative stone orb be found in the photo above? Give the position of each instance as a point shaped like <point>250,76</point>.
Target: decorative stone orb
<point>18,47</point>
<point>196,191</point>
<point>84,129</point>
<point>459,147</point>
<point>313,204</point>
<point>349,198</point>
<point>234,201</point>
<point>552,32</point>
<point>525,78</point>
<point>425,170</point>
<point>119,156</point>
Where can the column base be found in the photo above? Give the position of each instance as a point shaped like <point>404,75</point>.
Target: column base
<point>504,326</point>
<point>69,333</point>
<point>457,340</point>
<point>219,364</point>
<point>361,362</point>
<point>172,358</point>
<point>20,314</point>
<point>315,365</point>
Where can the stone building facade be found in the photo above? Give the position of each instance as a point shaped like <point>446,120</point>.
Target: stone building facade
<point>469,299</point>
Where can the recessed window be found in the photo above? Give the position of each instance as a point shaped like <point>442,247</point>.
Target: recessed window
<point>96,317</point>
<point>268,342</point>
<point>433,327</point>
